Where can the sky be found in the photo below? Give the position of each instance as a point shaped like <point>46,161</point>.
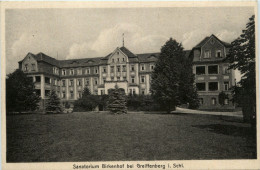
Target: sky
<point>96,32</point>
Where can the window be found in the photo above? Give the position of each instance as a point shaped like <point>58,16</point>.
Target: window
<point>124,78</point>
<point>133,80</point>
<point>213,101</point>
<point>142,67</point>
<point>79,95</point>
<point>130,91</point>
<point>200,70</point>
<point>71,94</point>
<point>118,58</point>
<point>79,71</point>
<point>118,68</point>
<point>55,82</point>
<point>47,93</point>
<point>71,83</point>
<point>26,67</point>
<point>79,82</point>
<point>123,59</point>
<point>213,69</point>
<point>213,86</point>
<point>226,70</point>
<point>218,54</point>
<point>63,83</point>
<point>226,85</point>
<point>201,86</point>
<point>113,60</point>
<point>112,78</point>
<point>133,91</point>
<point>33,67</point>
<point>104,69</point>
<point>96,92</point>
<point>71,71</point>
<point>37,79</point>
<point>142,91</point>
<point>212,41</point>
<point>104,80</point>
<point>142,79</point>
<point>124,68</point>
<point>96,70</point>
<point>117,54</point>
<point>47,80</point>
<point>87,71</point>
<point>112,69</point>
<point>63,94</point>
<point>63,72</point>
<point>207,54</point>
<point>226,101</point>
<point>87,82</point>
<point>118,78</point>
<point>102,92</point>
<point>132,68</point>
<point>201,101</point>
<point>152,67</point>
<point>96,81</point>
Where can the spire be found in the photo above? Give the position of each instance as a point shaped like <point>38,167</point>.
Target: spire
<point>123,39</point>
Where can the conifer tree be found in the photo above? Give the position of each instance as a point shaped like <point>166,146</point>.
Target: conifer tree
<point>53,103</point>
<point>117,101</point>
<point>172,80</point>
<point>20,93</point>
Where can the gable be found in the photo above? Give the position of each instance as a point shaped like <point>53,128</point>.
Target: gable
<point>29,63</point>
<point>117,57</point>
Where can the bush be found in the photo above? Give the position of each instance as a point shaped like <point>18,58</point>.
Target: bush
<point>142,103</point>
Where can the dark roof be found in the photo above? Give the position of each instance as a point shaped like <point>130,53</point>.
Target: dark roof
<point>200,44</point>
<point>127,52</point>
<point>47,59</point>
<point>148,57</point>
<point>80,62</point>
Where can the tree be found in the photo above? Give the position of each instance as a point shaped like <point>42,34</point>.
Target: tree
<point>172,80</point>
<point>53,103</point>
<point>87,102</point>
<point>117,101</point>
<point>20,93</point>
<point>242,57</point>
<point>222,97</point>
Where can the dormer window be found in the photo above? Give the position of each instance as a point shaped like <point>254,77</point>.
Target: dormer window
<point>207,54</point>
<point>63,72</point>
<point>79,71</point>
<point>71,71</point>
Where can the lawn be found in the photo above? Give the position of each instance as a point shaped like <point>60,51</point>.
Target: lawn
<point>135,136</point>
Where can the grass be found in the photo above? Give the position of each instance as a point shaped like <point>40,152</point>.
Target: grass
<point>135,136</point>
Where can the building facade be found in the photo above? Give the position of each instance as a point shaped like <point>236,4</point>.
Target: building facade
<point>212,75</point>
<point>131,72</point>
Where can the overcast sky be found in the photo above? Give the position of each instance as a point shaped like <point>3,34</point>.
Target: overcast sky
<point>84,33</point>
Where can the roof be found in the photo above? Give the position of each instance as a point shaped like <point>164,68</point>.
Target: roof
<point>127,52</point>
<point>43,57</point>
<point>148,57</point>
<point>80,62</point>
<point>200,44</point>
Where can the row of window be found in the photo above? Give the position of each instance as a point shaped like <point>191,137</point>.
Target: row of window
<point>214,101</point>
<point>218,54</point>
<point>212,86</point>
<point>104,70</point>
<point>212,69</point>
<point>79,71</point>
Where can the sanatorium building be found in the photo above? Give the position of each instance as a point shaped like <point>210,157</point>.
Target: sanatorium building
<point>129,71</point>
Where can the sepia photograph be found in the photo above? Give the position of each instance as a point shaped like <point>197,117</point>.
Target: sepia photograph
<point>129,86</point>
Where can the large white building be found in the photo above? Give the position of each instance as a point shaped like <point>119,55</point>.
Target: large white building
<point>131,72</point>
